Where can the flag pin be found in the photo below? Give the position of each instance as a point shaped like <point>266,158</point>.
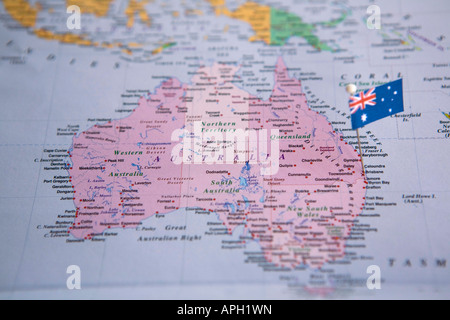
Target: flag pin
<point>374,104</point>
<point>351,89</point>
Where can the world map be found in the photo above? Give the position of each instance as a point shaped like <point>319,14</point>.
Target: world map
<point>203,149</point>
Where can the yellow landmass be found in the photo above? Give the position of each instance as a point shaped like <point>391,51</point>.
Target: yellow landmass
<point>63,37</point>
<point>193,12</point>
<point>107,45</point>
<point>162,47</point>
<point>26,15</point>
<point>81,40</point>
<point>219,6</point>
<point>217,3</point>
<point>22,12</point>
<point>99,8</point>
<point>258,16</point>
<point>136,7</point>
<point>157,51</point>
<point>134,45</point>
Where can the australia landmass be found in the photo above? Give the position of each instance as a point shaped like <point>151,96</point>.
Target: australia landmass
<point>125,171</point>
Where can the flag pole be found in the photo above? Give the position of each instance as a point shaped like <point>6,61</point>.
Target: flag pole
<point>351,89</point>
<point>360,153</point>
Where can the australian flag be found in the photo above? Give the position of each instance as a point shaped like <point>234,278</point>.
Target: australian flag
<point>376,103</point>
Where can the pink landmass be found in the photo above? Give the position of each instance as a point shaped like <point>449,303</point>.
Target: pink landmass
<point>124,172</point>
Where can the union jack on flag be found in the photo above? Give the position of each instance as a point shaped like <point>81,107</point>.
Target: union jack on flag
<point>362,100</point>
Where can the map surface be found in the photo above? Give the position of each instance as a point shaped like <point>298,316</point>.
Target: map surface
<point>203,149</point>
